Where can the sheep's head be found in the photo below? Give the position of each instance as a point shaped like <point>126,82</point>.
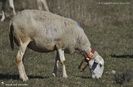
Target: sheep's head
<point>95,62</point>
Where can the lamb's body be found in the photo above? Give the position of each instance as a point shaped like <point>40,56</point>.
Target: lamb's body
<point>43,31</point>
<point>47,30</point>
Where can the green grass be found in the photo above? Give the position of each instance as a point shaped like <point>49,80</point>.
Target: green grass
<point>109,29</point>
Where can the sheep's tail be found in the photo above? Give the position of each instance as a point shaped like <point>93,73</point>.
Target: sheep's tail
<point>11,36</point>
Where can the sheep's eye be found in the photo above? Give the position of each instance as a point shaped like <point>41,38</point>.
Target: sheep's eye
<point>94,66</point>
<point>100,65</point>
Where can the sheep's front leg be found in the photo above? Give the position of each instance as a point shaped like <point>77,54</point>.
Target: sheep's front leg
<point>62,60</point>
<point>56,66</point>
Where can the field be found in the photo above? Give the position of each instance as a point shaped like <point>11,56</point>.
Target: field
<point>109,28</point>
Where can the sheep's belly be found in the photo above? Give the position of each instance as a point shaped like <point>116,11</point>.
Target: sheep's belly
<point>42,47</point>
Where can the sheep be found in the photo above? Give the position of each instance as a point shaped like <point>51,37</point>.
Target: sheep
<point>44,31</point>
<point>11,4</point>
<point>41,4</point>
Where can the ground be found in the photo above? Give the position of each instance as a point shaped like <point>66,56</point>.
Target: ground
<point>110,31</point>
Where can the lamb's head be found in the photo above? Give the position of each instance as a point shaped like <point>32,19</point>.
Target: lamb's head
<point>95,62</point>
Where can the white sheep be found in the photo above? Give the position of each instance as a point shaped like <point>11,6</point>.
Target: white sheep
<point>44,31</point>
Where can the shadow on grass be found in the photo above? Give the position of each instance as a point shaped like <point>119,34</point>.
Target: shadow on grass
<point>16,77</point>
<point>122,56</point>
<point>84,77</point>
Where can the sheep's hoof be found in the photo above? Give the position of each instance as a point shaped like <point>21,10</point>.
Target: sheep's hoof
<point>65,76</point>
<point>25,78</point>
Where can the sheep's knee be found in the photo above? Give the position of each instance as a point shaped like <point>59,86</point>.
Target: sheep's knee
<point>18,61</point>
<point>63,62</point>
<point>19,58</point>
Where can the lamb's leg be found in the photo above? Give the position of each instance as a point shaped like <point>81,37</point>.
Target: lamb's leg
<point>11,4</point>
<point>3,16</point>
<point>56,66</point>
<point>3,10</point>
<point>42,4</point>
<point>45,5</point>
<point>62,60</point>
<point>19,61</point>
<point>39,4</point>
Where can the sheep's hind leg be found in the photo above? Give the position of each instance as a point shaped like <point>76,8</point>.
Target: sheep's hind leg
<point>19,61</point>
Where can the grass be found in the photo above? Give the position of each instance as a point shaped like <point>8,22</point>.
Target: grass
<point>109,29</point>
